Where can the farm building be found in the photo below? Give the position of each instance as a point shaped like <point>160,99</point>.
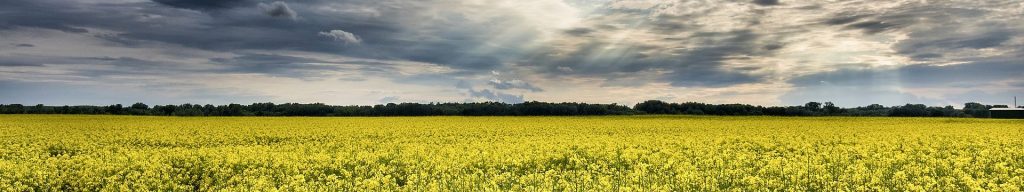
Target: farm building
<point>1007,113</point>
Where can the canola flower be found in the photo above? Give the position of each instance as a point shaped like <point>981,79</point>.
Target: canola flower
<point>620,153</point>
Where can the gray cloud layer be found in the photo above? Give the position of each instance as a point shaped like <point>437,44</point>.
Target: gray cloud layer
<point>801,48</point>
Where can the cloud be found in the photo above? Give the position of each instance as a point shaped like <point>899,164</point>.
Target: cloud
<point>38,14</point>
<point>278,9</point>
<point>920,75</point>
<point>496,96</point>
<point>411,31</point>
<point>766,2</point>
<point>704,65</point>
<point>18,61</point>
<point>1019,84</point>
<point>677,44</point>
<point>55,93</point>
<point>462,84</point>
<point>936,44</point>
<point>513,84</point>
<point>579,31</point>
<point>90,66</point>
<point>389,99</point>
<point>697,66</point>
<point>612,46</point>
<point>843,19</point>
<point>339,35</point>
<point>892,86</point>
<point>204,4</point>
<point>564,69</point>
<point>24,45</point>
<point>272,64</point>
<point>872,27</point>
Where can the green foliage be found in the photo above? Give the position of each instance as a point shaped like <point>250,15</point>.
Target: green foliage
<point>809,109</point>
<point>532,108</point>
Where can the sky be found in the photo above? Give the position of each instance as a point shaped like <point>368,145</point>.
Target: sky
<point>364,52</point>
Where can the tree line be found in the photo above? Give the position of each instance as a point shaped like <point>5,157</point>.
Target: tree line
<point>532,108</point>
<point>320,109</point>
<point>815,109</point>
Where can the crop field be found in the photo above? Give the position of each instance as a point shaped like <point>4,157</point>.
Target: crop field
<point>624,153</point>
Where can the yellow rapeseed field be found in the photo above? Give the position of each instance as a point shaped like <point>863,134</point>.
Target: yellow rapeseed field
<point>619,153</point>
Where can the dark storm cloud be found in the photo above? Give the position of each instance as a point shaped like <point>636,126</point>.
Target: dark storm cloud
<point>937,35</point>
<point>122,61</point>
<point>579,31</point>
<point>700,66</point>
<point>933,44</point>
<point>18,61</point>
<point>934,31</point>
<point>937,30</point>
<point>703,67</point>
<point>36,60</point>
<point>117,40</point>
<point>278,9</point>
<point>872,27</point>
<point>122,66</point>
<point>205,4</point>
<point>300,67</point>
<point>842,20</point>
<point>924,16</point>
<point>772,47</point>
<point>37,14</point>
<point>269,64</point>
<point>685,45</point>
<point>867,25</point>
<point>690,54</point>
<point>766,2</point>
<point>665,24</point>
<point>455,42</point>
<point>452,40</point>
<point>73,17</point>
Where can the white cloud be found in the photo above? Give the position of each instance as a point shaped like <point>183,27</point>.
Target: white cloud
<point>343,36</point>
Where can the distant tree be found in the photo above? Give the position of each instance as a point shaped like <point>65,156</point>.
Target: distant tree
<point>142,106</point>
<point>976,110</point>
<point>875,107</point>
<point>655,107</point>
<point>830,108</point>
<point>910,110</point>
<point>115,109</point>
<point>138,109</point>
<point>12,109</point>
<point>813,106</point>
<point>38,109</point>
<point>495,108</point>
